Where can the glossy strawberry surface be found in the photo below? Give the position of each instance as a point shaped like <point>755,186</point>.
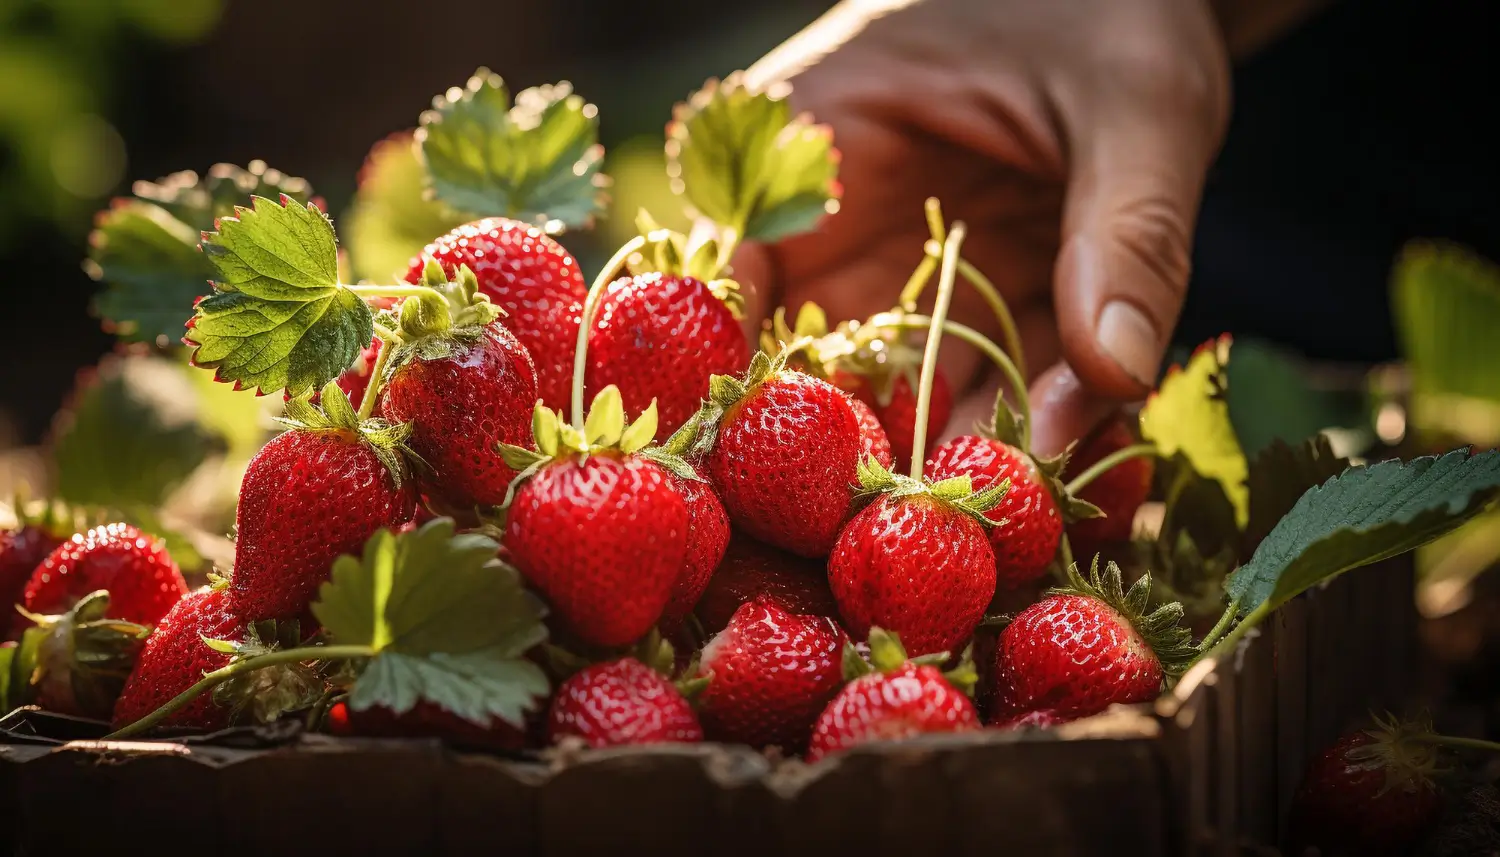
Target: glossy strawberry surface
<point>915,566</point>
<point>784,462</point>
<point>21,551</point>
<point>898,414</point>
<point>910,701</point>
<point>1349,804</point>
<point>307,498</point>
<point>175,658</point>
<point>461,406</point>
<point>1072,655</point>
<point>707,538</point>
<point>1027,539</point>
<point>752,569</point>
<point>873,442</point>
<point>622,702</point>
<point>772,672</point>
<point>530,276</point>
<point>143,580</point>
<point>603,539</point>
<point>1118,492</point>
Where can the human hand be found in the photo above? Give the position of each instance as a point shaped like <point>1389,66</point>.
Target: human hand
<point>1072,137</point>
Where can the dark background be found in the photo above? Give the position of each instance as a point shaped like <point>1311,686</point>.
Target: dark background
<point>1366,127</point>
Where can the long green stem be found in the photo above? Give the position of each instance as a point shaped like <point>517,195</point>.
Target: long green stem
<point>946,278</point>
<point>1065,556</point>
<point>388,343</point>
<point>1001,360</point>
<point>1457,742</point>
<point>1238,632</point>
<point>1107,463</point>
<point>1008,330</point>
<point>591,303</point>
<point>918,280</point>
<point>396,292</point>
<point>219,676</point>
<point>1220,627</point>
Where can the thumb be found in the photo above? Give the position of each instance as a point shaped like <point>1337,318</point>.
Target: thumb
<point>1122,274</point>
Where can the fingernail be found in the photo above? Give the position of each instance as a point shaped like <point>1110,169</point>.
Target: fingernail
<point>1130,339</point>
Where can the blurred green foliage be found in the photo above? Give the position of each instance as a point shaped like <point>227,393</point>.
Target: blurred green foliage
<point>59,151</point>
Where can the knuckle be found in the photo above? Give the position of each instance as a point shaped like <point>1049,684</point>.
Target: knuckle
<point>1155,233</point>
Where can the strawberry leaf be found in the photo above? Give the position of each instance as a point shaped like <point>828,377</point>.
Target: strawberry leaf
<point>1364,515</point>
<point>450,624</point>
<point>536,161</point>
<point>279,319</point>
<point>198,202</point>
<point>1279,476</point>
<point>1189,414</point>
<point>743,161</point>
<point>152,269</point>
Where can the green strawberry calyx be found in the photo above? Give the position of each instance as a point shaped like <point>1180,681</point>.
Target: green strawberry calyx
<point>262,696</point>
<point>879,355</point>
<point>1403,750</point>
<point>702,256</point>
<point>334,413</point>
<point>956,492</point>
<point>604,431</point>
<point>697,435</point>
<point>1161,628</point>
<point>79,659</point>
<point>57,518</point>
<point>887,655</point>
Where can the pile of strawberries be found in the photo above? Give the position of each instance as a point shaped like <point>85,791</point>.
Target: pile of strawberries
<point>723,546</point>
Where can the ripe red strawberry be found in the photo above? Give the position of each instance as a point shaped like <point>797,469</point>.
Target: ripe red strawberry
<point>916,561</point>
<point>893,698</point>
<point>76,662</point>
<point>23,547</point>
<point>873,442</point>
<point>707,538</point>
<point>1370,793</point>
<point>660,337</point>
<point>1118,492</point>
<point>895,405</point>
<point>312,494</point>
<point>1029,524</point>
<point>425,720</point>
<point>752,569</point>
<point>771,674</point>
<point>600,532</point>
<point>142,580</point>
<point>622,702</point>
<point>175,657</point>
<point>534,279</point>
<point>781,448</point>
<point>464,384</point>
<point>356,379</point>
<point>1087,647</point>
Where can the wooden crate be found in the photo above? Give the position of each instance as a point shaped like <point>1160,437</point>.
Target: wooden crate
<point>1207,770</point>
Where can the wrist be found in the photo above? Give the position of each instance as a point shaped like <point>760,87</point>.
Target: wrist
<point>1250,25</point>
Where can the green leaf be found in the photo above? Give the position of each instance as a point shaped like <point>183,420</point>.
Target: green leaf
<point>536,161</point>
<point>1271,397</point>
<point>198,202</point>
<point>279,319</point>
<point>448,620</point>
<point>7,659</point>
<point>745,162</point>
<point>391,220</point>
<point>1279,476</point>
<point>152,269</point>
<point>1362,516</point>
<point>1188,414</point>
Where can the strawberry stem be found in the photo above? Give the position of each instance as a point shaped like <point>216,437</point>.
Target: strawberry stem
<point>591,303</point>
<point>388,343</point>
<point>898,321</point>
<point>1238,632</point>
<point>1220,627</point>
<point>396,292</point>
<point>946,278</point>
<point>1107,463</point>
<point>1456,742</point>
<point>223,674</point>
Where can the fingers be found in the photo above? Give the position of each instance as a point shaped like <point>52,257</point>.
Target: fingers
<point>1063,410</point>
<point>1142,132</point>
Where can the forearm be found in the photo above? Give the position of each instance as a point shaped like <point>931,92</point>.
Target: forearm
<point>1250,25</point>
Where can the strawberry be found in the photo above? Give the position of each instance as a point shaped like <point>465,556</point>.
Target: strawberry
<point>917,560</point>
<point>135,568</point>
<point>1028,524</point>
<point>780,448</point>
<point>356,379</point>
<point>622,702</point>
<point>1370,793</point>
<point>77,662</point>
<point>892,398</point>
<point>892,698</point>
<point>751,570</point>
<point>39,529</point>
<point>772,672</point>
<point>175,657</point>
<point>465,384</point>
<point>1118,492</point>
<point>424,720</point>
<point>707,538</point>
<point>873,442</point>
<point>1087,647</point>
<point>313,493</point>
<point>533,279</point>
<point>599,530</point>
<point>660,337</point>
